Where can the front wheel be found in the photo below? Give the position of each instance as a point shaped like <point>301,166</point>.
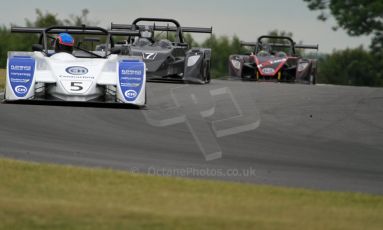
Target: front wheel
<point>279,76</point>
<point>206,72</point>
<point>256,75</point>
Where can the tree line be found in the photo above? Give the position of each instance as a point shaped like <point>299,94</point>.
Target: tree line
<point>357,66</point>
<point>353,66</point>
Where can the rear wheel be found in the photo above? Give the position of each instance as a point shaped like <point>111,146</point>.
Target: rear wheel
<point>313,73</point>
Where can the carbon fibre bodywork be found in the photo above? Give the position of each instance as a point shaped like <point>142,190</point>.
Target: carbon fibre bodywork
<point>276,61</point>
<point>169,60</point>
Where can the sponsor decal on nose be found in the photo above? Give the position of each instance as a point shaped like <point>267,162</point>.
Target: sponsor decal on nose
<point>21,89</point>
<point>76,70</point>
<point>268,70</point>
<point>21,73</point>
<point>130,93</point>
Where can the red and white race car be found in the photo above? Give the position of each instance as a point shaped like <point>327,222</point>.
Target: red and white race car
<point>274,58</point>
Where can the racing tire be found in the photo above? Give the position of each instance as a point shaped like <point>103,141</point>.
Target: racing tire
<point>256,75</point>
<point>206,72</point>
<point>146,97</point>
<point>312,79</point>
<point>279,76</point>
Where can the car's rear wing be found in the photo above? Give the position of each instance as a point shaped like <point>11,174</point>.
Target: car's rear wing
<point>174,28</point>
<point>297,46</point>
<point>73,30</point>
<point>292,46</point>
<point>116,27</point>
<point>162,28</point>
<point>303,46</point>
<point>249,43</point>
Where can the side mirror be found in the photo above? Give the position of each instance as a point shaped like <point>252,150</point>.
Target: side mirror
<point>115,50</point>
<point>37,47</point>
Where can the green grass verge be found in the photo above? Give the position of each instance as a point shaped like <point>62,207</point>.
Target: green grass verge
<point>2,79</point>
<point>43,196</point>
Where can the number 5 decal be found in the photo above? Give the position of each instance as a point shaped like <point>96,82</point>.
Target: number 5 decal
<point>76,86</point>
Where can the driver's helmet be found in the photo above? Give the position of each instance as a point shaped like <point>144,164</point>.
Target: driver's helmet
<point>64,43</point>
<point>267,48</point>
<point>147,32</point>
<point>281,54</point>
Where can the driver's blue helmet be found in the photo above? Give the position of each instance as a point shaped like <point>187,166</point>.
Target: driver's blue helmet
<point>64,43</point>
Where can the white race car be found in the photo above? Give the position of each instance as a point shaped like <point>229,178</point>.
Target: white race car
<point>84,75</point>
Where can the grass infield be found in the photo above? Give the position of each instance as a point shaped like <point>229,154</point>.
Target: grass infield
<point>2,79</point>
<point>45,196</point>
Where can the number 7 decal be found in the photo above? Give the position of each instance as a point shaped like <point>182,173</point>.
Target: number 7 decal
<point>149,55</point>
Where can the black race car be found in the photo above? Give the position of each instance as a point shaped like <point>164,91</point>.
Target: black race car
<point>167,58</point>
<point>274,58</point>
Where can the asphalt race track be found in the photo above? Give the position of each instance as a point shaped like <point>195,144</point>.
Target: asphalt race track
<point>321,137</point>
